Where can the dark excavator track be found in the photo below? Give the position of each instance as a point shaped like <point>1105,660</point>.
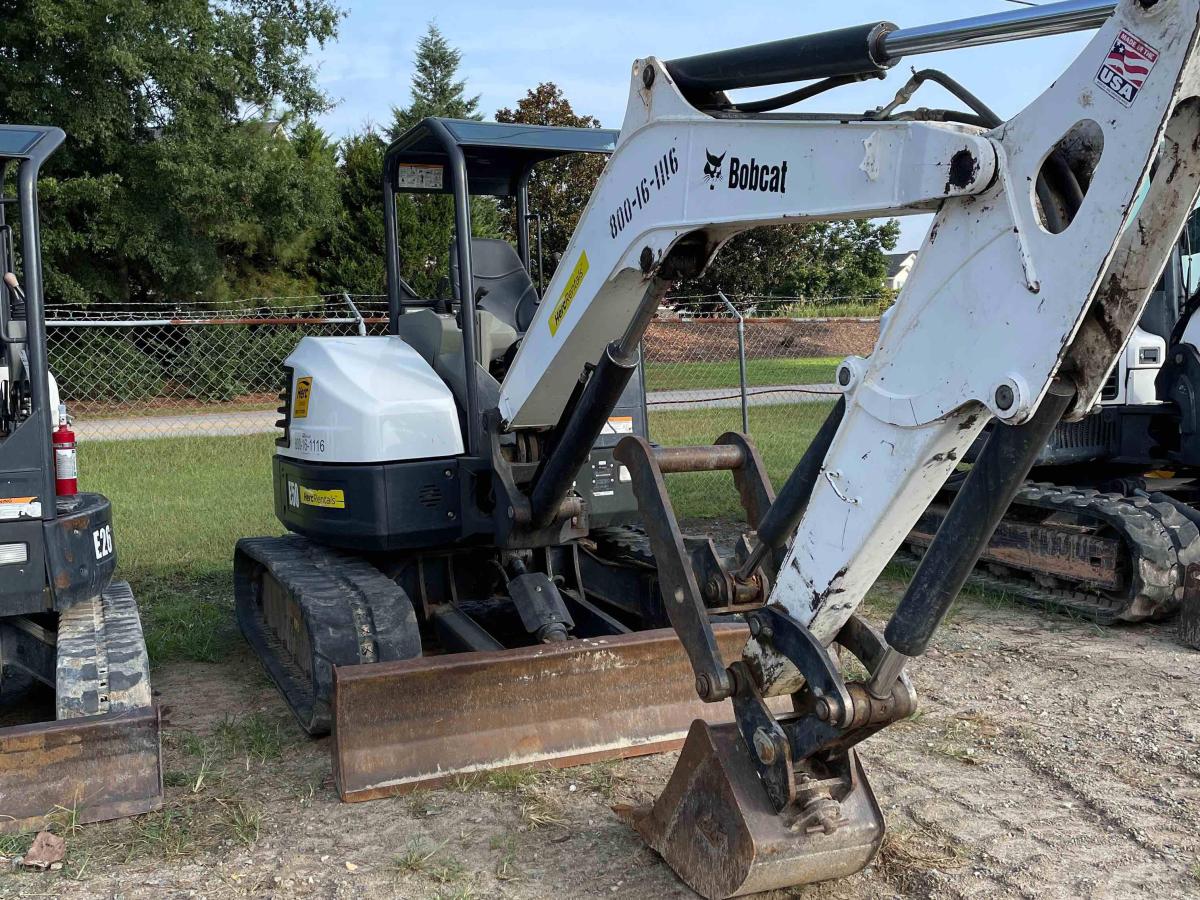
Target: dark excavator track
<point>1108,557</point>
<point>305,608</point>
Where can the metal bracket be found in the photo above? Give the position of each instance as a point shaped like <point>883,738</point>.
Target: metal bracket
<point>831,716</point>
<point>774,627</point>
<point>766,738</point>
<point>681,593</point>
<point>750,478</point>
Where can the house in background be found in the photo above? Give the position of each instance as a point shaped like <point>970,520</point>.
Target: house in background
<point>898,267</point>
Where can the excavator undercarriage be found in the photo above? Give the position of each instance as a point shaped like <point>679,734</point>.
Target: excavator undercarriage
<point>1107,557</point>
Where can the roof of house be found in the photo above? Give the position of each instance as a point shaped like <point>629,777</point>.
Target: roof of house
<point>896,262</point>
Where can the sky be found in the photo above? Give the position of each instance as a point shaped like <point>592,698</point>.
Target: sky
<point>587,49</point>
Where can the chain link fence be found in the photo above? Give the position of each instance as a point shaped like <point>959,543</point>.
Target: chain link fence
<point>713,364</point>
<point>717,364</point>
<point>180,371</point>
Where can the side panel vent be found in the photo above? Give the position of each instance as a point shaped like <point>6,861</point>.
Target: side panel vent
<point>430,496</point>
<point>1112,386</point>
<point>285,408</point>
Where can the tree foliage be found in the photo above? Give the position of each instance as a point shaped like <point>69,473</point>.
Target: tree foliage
<point>350,257</point>
<point>817,260</point>
<point>843,259</point>
<point>175,181</point>
<point>193,169</point>
<point>559,188</point>
<point>436,88</point>
<point>425,224</point>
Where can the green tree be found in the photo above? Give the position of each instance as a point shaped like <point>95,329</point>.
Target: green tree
<point>425,224</point>
<point>174,181</point>
<point>268,248</point>
<point>843,259</point>
<point>350,258</point>
<point>559,188</point>
<point>823,259</point>
<point>436,88</point>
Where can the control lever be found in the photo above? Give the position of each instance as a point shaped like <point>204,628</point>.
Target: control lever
<point>15,286</point>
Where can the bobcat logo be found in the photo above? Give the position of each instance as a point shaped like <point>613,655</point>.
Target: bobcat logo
<point>712,168</point>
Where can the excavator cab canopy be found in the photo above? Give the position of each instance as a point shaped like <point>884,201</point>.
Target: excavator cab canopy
<point>498,155</point>
<point>465,158</point>
<point>26,463</point>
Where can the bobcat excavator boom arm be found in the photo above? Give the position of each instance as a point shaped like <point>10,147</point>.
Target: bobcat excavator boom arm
<point>1034,271</point>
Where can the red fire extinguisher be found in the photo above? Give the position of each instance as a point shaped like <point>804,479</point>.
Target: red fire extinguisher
<point>66,469</point>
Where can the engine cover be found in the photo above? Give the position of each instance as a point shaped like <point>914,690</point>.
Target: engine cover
<point>366,400</point>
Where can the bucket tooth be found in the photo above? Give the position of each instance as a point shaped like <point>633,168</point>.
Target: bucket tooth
<point>716,827</point>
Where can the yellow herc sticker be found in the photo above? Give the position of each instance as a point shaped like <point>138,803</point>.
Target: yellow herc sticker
<point>303,393</point>
<point>568,294</point>
<point>333,498</point>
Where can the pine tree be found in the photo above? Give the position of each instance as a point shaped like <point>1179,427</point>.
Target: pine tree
<point>425,225</point>
<point>436,88</point>
<point>350,258</point>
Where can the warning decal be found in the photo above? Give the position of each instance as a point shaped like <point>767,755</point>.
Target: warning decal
<point>1126,67</point>
<point>619,425</point>
<point>416,177</point>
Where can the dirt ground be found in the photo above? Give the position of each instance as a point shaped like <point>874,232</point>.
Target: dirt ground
<point>1050,759</point>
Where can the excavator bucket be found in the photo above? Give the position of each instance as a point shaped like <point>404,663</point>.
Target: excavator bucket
<point>422,722</point>
<point>715,826</point>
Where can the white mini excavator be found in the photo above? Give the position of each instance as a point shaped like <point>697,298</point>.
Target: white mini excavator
<point>456,486</point>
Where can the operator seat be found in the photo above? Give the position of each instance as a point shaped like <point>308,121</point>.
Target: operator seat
<point>496,267</point>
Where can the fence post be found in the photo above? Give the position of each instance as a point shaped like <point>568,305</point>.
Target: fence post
<point>362,323</point>
<point>741,335</point>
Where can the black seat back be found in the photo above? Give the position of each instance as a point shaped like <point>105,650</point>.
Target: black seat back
<point>496,267</point>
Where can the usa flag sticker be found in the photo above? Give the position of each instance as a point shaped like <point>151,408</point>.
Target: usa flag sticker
<point>1126,67</point>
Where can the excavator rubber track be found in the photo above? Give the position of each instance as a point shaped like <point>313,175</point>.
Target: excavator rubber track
<point>626,544</point>
<point>101,758</point>
<point>1107,557</point>
<point>305,608</point>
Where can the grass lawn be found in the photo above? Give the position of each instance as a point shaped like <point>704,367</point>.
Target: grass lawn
<point>831,310</point>
<point>663,376</point>
<point>782,433</point>
<point>180,504</point>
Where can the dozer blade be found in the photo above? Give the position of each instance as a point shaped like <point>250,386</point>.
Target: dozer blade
<point>422,722</point>
<point>91,768</point>
<point>715,826</point>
